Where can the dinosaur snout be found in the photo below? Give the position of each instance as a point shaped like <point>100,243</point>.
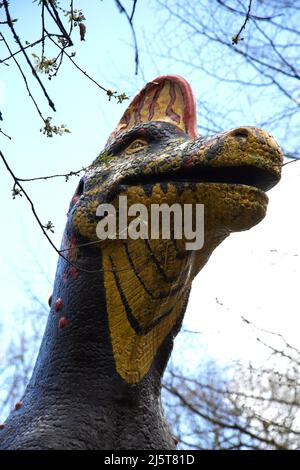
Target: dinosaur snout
<point>255,136</point>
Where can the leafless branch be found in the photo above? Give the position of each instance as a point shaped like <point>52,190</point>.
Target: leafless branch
<point>6,135</point>
<point>18,41</point>
<point>237,38</point>
<point>50,7</point>
<point>24,79</point>
<point>19,188</point>
<point>130,21</point>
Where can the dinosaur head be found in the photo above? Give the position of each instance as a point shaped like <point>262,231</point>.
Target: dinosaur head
<point>154,156</point>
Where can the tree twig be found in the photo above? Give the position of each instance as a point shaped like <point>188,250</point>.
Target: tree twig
<point>18,41</point>
<point>24,78</point>
<point>42,227</point>
<point>130,21</point>
<point>236,38</point>
<point>56,18</point>
<point>120,97</point>
<point>6,135</point>
<point>18,184</point>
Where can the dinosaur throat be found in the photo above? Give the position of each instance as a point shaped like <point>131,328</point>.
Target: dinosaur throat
<point>147,285</point>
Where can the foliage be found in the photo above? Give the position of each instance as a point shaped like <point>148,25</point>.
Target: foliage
<point>65,20</point>
<point>50,129</point>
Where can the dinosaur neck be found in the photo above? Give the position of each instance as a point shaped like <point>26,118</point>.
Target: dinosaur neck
<point>75,375</point>
<point>77,397</point>
<point>76,348</point>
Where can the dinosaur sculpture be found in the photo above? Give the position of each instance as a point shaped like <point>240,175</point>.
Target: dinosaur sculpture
<point>118,304</point>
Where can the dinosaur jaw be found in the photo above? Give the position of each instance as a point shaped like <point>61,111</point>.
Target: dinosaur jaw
<point>233,196</point>
<point>228,207</point>
<point>243,175</point>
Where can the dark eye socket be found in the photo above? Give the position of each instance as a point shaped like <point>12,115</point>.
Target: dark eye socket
<point>80,188</point>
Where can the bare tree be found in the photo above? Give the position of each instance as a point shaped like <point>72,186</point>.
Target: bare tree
<point>249,53</point>
<point>19,354</point>
<point>240,406</point>
<point>237,406</point>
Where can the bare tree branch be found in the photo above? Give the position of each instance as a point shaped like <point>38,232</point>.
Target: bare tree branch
<point>130,21</point>
<point>237,38</point>
<point>18,41</point>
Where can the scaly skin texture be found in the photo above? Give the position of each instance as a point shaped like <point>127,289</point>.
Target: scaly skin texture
<point>117,307</point>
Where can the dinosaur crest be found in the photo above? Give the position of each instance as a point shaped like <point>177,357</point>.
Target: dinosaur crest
<point>168,98</point>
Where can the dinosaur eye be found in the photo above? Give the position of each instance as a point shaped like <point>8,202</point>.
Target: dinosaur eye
<point>136,146</point>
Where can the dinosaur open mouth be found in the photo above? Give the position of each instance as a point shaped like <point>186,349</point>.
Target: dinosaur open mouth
<point>243,175</point>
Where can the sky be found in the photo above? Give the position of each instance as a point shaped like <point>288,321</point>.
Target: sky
<point>252,274</point>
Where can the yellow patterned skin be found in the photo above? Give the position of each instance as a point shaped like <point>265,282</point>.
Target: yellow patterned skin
<point>155,161</point>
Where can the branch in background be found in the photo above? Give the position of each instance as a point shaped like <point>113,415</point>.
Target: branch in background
<point>50,67</point>
<point>18,190</point>
<point>237,37</point>
<point>111,94</point>
<point>48,128</point>
<point>104,158</point>
<point>269,59</point>
<point>72,15</point>
<point>133,9</point>
<point>43,29</point>
<point>293,159</point>
<point>56,18</point>
<point>242,13</point>
<point>130,21</point>
<point>24,78</point>
<point>18,41</point>
<point>18,358</point>
<point>239,406</point>
<point>59,175</point>
<point>5,135</point>
<point>219,420</point>
<point>13,54</point>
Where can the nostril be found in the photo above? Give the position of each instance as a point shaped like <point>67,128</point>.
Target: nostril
<point>240,133</point>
